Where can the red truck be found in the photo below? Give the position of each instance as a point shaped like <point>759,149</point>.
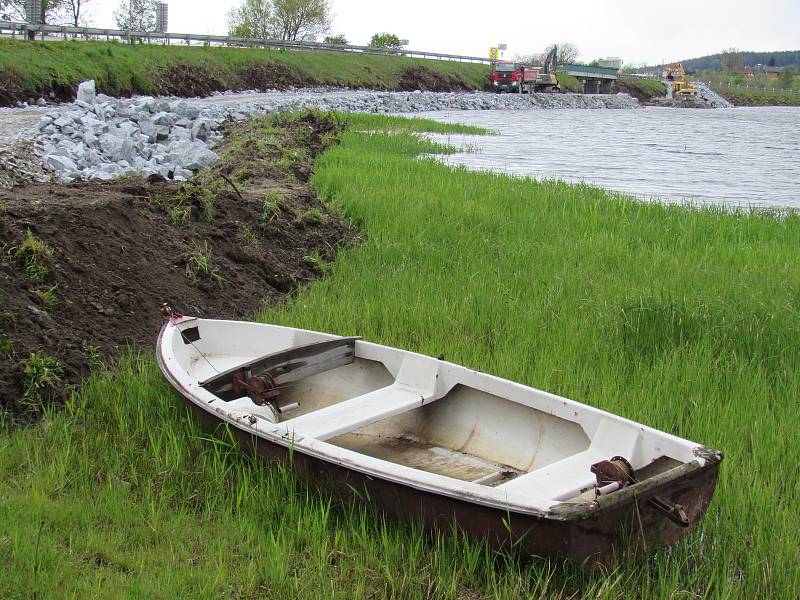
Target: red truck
<point>521,78</point>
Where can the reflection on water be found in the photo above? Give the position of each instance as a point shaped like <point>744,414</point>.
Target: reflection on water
<point>743,156</point>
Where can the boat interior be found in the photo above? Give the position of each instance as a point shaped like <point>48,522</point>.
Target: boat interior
<point>412,410</point>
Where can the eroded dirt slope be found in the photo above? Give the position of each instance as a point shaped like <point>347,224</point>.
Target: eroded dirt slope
<point>85,267</point>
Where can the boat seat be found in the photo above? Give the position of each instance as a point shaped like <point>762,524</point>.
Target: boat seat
<point>414,386</point>
<point>569,476</point>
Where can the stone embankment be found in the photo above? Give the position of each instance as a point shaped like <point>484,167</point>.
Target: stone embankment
<point>100,137</point>
<point>706,98</point>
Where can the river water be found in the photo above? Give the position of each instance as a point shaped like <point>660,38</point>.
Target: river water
<point>742,157</point>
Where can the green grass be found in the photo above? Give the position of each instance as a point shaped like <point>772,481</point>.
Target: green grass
<point>745,97</point>
<point>32,255</point>
<point>121,69</point>
<point>569,83</point>
<point>649,87</point>
<point>684,319</point>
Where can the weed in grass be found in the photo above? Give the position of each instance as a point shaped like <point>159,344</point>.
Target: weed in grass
<point>178,213</point>
<point>41,371</point>
<point>93,354</point>
<point>32,255</point>
<point>272,207</point>
<point>48,298</point>
<point>249,236</point>
<point>6,347</point>
<point>199,265</point>
<point>8,319</point>
<point>207,200</point>
<point>316,261</point>
<point>290,157</point>
<point>313,216</point>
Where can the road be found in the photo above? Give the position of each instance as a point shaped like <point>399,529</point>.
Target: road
<point>17,121</point>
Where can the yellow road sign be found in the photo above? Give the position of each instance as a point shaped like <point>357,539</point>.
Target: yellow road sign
<point>492,53</point>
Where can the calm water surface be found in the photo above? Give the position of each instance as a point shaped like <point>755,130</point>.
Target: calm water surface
<point>741,156</point>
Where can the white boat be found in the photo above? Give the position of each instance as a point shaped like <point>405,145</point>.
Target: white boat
<point>441,443</point>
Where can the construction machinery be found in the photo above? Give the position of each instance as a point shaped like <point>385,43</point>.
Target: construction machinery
<point>676,77</point>
<point>508,76</point>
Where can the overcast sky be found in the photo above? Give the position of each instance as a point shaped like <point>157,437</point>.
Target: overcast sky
<point>635,30</point>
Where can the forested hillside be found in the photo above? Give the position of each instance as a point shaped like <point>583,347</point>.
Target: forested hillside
<point>714,61</point>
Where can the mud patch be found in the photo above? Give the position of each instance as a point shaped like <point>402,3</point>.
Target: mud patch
<point>270,76</point>
<point>84,267</point>
<point>427,80</point>
<point>13,89</point>
<point>190,80</point>
<point>185,80</point>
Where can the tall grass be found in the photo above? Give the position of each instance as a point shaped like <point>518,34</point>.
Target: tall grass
<point>685,319</point>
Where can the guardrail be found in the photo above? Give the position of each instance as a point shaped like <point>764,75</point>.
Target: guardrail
<point>585,70</point>
<point>750,87</point>
<point>26,30</point>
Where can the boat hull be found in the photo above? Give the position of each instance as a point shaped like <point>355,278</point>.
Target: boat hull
<point>591,535</point>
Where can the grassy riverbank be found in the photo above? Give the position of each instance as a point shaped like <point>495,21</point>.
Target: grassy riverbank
<point>683,319</point>
<point>34,69</point>
<point>745,97</point>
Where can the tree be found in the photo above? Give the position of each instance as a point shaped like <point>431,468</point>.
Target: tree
<point>731,60</point>
<point>336,39</point>
<point>75,12</point>
<point>252,19</point>
<point>787,76</point>
<point>567,52</point>
<point>771,61</point>
<point>283,19</point>
<point>299,19</point>
<point>385,40</point>
<point>136,15</point>
<point>51,11</point>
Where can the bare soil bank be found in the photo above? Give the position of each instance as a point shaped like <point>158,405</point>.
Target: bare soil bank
<point>85,267</point>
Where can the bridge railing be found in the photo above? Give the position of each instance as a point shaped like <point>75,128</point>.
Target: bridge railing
<point>66,32</point>
<point>588,71</point>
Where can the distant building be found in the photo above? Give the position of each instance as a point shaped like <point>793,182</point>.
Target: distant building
<point>746,72</point>
<point>773,72</point>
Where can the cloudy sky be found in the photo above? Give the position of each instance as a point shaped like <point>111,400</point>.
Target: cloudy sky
<point>635,30</point>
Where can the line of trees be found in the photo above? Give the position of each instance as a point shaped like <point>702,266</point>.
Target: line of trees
<point>566,53</point>
<point>281,19</point>
<point>136,15</point>
<point>276,19</point>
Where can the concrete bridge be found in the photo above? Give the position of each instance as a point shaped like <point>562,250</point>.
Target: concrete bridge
<point>595,80</point>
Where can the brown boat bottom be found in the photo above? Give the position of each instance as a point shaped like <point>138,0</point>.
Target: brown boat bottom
<point>410,452</point>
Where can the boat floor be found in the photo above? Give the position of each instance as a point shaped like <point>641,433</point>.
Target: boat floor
<point>407,451</point>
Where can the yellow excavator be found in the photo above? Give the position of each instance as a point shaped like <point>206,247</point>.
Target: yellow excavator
<point>675,74</point>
